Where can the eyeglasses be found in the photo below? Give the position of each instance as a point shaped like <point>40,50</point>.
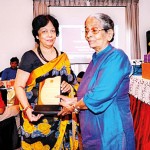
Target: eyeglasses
<point>93,30</point>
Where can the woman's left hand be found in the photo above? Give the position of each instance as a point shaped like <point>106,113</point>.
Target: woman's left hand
<point>65,87</point>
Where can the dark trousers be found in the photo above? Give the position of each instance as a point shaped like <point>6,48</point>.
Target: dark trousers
<point>9,139</point>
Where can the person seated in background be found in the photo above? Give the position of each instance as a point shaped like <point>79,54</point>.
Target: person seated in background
<point>79,76</point>
<point>9,137</point>
<point>10,73</point>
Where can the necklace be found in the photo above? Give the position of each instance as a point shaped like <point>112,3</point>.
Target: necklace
<point>42,56</point>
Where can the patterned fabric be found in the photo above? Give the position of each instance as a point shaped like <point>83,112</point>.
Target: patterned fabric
<point>50,132</point>
<point>139,88</point>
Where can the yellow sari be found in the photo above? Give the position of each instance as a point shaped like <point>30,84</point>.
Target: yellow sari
<point>50,132</point>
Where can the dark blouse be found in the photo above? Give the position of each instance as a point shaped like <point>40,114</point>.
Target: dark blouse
<point>29,61</point>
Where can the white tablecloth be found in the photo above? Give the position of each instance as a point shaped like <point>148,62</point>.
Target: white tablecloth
<point>140,88</point>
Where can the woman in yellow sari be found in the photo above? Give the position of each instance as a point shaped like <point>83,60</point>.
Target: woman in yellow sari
<point>44,132</point>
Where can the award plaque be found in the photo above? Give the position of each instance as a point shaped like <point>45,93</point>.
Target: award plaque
<point>48,103</point>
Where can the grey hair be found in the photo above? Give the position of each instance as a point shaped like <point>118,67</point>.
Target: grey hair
<point>106,22</point>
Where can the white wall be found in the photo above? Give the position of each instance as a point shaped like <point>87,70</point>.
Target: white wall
<point>15,29</point>
<point>144,23</point>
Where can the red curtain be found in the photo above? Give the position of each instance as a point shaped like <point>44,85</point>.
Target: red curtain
<point>141,119</point>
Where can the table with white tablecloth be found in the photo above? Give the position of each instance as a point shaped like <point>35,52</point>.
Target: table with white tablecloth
<point>139,92</point>
<point>140,88</point>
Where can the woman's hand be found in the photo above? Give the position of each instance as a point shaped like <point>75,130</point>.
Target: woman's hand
<point>67,103</point>
<point>66,110</point>
<point>65,100</point>
<point>65,87</point>
<point>31,116</point>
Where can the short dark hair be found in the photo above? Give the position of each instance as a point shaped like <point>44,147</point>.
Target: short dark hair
<point>41,21</point>
<point>14,59</point>
<point>80,75</point>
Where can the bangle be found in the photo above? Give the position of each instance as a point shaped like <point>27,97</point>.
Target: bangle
<point>76,109</point>
<point>26,108</point>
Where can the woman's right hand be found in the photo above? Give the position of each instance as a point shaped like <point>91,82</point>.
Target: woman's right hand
<point>67,104</point>
<point>31,116</point>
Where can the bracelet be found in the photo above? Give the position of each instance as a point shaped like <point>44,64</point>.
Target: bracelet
<point>76,109</point>
<point>26,108</point>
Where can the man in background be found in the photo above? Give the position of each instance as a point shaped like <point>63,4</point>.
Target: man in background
<point>10,73</point>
